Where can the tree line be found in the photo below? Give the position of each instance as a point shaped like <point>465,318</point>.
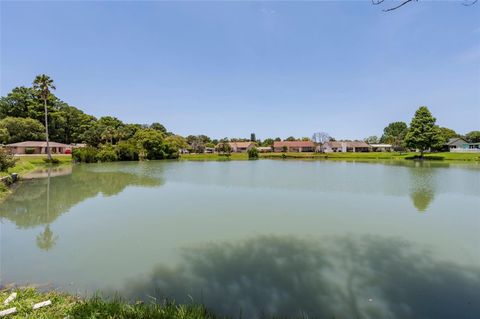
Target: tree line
<point>32,113</point>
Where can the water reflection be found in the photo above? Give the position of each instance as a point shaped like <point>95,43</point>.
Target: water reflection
<point>340,277</point>
<point>42,201</point>
<point>422,185</point>
<point>46,240</point>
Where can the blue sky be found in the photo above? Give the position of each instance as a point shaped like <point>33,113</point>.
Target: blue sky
<point>232,68</point>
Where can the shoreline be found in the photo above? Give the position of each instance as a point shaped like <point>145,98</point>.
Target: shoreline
<point>369,156</point>
<point>27,165</point>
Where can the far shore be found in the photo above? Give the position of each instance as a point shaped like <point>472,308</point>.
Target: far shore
<point>373,156</point>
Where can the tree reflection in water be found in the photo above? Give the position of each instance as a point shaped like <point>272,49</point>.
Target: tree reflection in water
<point>342,277</point>
<point>43,200</point>
<point>422,185</point>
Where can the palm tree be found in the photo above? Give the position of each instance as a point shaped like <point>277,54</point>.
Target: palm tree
<point>43,84</point>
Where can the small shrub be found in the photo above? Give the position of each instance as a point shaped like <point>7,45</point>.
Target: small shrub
<point>107,154</point>
<point>7,160</point>
<point>29,150</point>
<point>85,154</point>
<point>253,153</point>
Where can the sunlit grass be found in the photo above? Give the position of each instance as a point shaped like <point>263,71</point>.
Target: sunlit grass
<point>68,306</point>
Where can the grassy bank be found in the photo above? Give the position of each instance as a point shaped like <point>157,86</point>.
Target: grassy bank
<point>64,305</point>
<point>337,156</point>
<point>27,164</point>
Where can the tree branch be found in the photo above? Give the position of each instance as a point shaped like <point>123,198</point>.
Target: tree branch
<point>400,5</point>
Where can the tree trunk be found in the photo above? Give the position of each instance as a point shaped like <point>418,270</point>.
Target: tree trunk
<point>49,154</point>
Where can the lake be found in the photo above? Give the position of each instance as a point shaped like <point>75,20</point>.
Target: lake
<point>327,239</point>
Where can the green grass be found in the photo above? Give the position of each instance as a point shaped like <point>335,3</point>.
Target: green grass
<point>64,305</point>
<point>337,156</point>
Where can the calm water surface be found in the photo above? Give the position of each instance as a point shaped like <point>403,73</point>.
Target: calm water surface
<point>254,238</point>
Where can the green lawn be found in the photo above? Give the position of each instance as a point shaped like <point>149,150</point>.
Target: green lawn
<point>367,156</point>
<point>68,306</point>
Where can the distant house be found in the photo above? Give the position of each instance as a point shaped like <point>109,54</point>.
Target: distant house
<point>264,149</point>
<point>381,147</point>
<point>456,143</point>
<point>459,145</point>
<point>345,146</point>
<point>240,147</point>
<point>209,150</point>
<point>294,146</point>
<point>38,147</point>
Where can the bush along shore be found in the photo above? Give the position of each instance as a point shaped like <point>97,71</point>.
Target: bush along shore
<point>31,303</point>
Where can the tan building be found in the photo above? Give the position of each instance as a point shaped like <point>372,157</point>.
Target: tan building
<point>38,147</point>
<point>239,147</point>
<point>294,146</point>
<point>345,146</point>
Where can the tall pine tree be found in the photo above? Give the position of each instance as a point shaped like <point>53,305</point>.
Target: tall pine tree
<point>423,134</point>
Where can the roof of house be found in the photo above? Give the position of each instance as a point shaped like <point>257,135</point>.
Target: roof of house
<point>455,139</point>
<point>339,144</point>
<point>37,144</point>
<point>264,148</point>
<point>240,144</point>
<point>293,144</point>
<point>381,145</point>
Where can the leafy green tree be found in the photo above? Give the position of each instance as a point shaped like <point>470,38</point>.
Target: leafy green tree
<point>268,142</point>
<point>473,136</point>
<point>18,103</point>
<point>107,153</point>
<point>423,134</point>
<point>224,148</point>
<point>177,142</point>
<point>4,135</point>
<point>394,134</point>
<point>252,137</point>
<point>42,85</point>
<point>253,153</point>
<point>371,139</point>
<point>290,138</point>
<point>22,129</point>
<point>7,160</point>
<point>127,150</point>
<point>159,127</point>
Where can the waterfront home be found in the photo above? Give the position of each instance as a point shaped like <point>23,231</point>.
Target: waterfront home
<point>38,147</point>
<point>209,150</point>
<point>264,149</point>
<point>241,147</point>
<point>294,146</point>
<point>456,143</point>
<point>381,147</point>
<point>345,146</point>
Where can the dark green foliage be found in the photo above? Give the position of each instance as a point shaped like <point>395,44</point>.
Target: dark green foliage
<point>85,154</point>
<point>22,129</point>
<point>29,150</point>
<point>224,148</point>
<point>284,149</point>
<point>127,151</point>
<point>290,138</point>
<point>253,153</point>
<point>7,160</point>
<point>473,137</point>
<point>252,137</point>
<point>107,153</point>
<point>423,134</point>
<point>268,142</point>
<point>394,134</point>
